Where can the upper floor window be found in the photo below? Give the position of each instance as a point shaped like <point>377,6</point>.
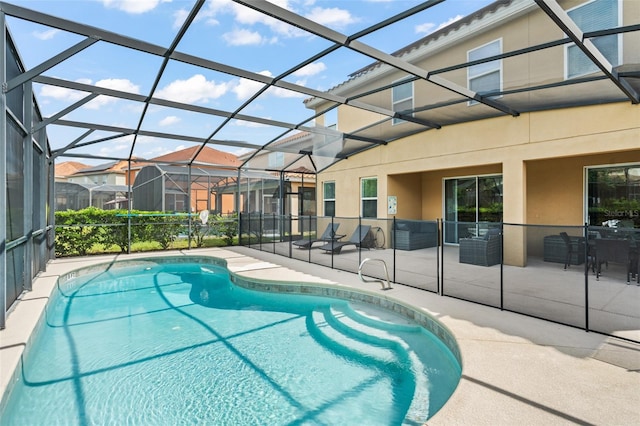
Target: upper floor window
<point>594,16</point>
<point>276,159</point>
<point>329,197</point>
<point>369,197</point>
<point>402,99</point>
<point>485,77</point>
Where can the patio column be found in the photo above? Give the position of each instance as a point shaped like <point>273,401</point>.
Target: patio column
<point>514,178</point>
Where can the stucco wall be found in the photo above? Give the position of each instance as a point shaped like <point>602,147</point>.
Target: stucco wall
<point>545,153</point>
<point>555,191</point>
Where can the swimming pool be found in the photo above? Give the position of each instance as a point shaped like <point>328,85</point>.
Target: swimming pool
<point>175,341</point>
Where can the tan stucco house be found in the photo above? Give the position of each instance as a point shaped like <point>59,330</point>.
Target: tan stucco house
<point>565,153</point>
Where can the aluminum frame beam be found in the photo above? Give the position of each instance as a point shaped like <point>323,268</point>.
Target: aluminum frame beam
<point>562,20</point>
<point>48,64</point>
<point>3,175</point>
<point>339,38</point>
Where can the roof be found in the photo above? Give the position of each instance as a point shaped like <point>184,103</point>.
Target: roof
<point>67,168</point>
<point>110,167</point>
<point>60,186</point>
<point>200,155</point>
<point>443,32</point>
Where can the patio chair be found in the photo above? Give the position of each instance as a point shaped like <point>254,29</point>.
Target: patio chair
<point>358,239</point>
<point>615,251</point>
<point>635,264</point>
<point>484,251</point>
<point>329,234</point>
<point>568,247</point>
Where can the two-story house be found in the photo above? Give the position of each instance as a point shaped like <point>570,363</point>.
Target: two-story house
<point>565,151</point>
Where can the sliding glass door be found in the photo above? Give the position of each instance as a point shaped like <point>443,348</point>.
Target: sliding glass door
<point>469,201</point>
<point>613,196</point>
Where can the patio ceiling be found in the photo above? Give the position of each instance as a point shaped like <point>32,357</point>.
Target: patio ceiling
<point>291,129</point>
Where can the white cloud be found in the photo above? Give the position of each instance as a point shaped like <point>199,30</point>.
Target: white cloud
<point>426,28</point>
<point>217,6</point>
<point>332,17</point>
<point>169,120</point>
<point>285,93</point>
<point>64,94</point>
<point>45,35</point>
<point>450,21</point>
<point>242,37</point>
<point>430,27</point>
<point>194,89</point>
<point>248,17</point>
<point>311,69</point>
<point>245,88</point>
<point>179,16</point>
<point>111,149</point>
<point>61,93</point>
<point>133,6</point>
<point>121,84</point>
<point>250,124</point>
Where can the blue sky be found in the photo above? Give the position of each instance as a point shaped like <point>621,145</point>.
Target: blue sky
<point>224,32</point>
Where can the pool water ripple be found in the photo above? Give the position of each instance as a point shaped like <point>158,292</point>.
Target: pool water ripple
<point>174,344</point>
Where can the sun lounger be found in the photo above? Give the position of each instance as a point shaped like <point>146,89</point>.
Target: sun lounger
<point>328,235</point>
<point>357,239</point>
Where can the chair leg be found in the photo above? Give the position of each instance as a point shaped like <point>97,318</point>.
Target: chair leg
<point>567,260</point>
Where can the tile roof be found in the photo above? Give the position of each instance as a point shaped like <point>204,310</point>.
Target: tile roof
<point>67,168</point>
<point>207,155</point>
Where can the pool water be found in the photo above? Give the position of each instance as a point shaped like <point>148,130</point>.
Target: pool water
<point>171,344</point>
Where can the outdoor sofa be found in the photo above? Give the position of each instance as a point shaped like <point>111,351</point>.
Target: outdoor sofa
<point>413,235</point>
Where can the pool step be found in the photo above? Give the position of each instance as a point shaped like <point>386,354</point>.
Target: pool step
<point>375,318</point>
<point>350,343</point>
<point>375,330</point>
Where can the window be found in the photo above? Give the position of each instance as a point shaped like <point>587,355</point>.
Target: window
<point>276,159</point>
<point>369,191</point>
<point>593,16</point>
<point>329,194</point>
<point>614,196</point>
<point>486,77</point>
<point>402,99</point>
<point>471,200</point>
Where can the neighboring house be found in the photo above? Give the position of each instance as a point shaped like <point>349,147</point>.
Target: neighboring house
<point>111,173</point>
<point>576,162</point>
<point>77,196</point>
<point>78,186</point>
<point>298,196</point>
<point>66,169</point>
<point>160,184</point>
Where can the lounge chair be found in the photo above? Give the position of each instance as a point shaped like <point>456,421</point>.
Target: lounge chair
<point>358,238</point>
<point>329,234</point>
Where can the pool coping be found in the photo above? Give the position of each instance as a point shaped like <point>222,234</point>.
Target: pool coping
<point>516,368</point>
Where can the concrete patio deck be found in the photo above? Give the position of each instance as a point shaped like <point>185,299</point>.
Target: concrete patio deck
<point>516,369</point>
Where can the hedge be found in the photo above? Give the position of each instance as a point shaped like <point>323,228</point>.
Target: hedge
<point>79,232</point>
